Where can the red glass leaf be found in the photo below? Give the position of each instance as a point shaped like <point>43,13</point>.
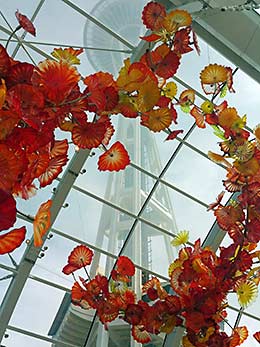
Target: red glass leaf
<point>125,266</point>
<point>253,231</point>
<point>69,269</point>
<point>140,334</point>
<point>53,170</point>
<point>111,98</point>
<point>42,222</point>
<point>173,135</point>
<point>7,210</point>
<point>89,135</point>
<point>153,15</point>
<point>228,216</point>
<point>60,147</point>
<point>182,41</point>
<point>19,73</point>
<point>4,61</point>
<point>12,240</point>
<point>55,79</point>
<point>80,256</point>
<point>114,159</point>
<point>25,23</point>
<point>257,336</point>
<point>168,65</point>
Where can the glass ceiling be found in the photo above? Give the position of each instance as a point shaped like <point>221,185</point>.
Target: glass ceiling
<point>136,212</point>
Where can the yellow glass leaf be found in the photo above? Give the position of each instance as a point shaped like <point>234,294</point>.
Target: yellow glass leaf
<point>176,19</point>
<point>207,107</point>
<point>186,342</point>
<point>246,292</point>
<point>68,55</point>
<point>181,238</point>
<point>170,90</point>
<point>204,337</point>
<point>169,325</point>
<point>177,263</point>
<point>257,135</point>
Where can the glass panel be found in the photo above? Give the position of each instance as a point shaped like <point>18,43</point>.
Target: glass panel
<point>196,175</point>
<point>4,282</point>
<point>151,249</point>
<point>93,222</point>
<point>125,188</point>
<point>31,306</point>
<point>15,339</point>
<point>185,214</point>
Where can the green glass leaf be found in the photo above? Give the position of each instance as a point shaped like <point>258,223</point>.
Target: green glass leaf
<point>218,132</point>
<point>185,108</point>
<point>223,92</point>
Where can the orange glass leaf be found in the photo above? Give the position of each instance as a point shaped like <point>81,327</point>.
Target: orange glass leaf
<point>239,335</point>
<point>89,135</point>
<point>257,336</point>
<point>187,96</point>
<point>60,147</point>
<point>157,120</point>
<point>67,55</point>
<point>77,292</point>
<point>55,79</point>
<point>148,96</point>
<point>228,117</point>
<point>199,117</point>
<point>25,23</point>
<point>80,256</point>
<point>12,240</point>
<point>8,121</point>
<point>213,73</point>
<point>132,75</point>
<point>114,159</point>
<point>2,92</point>
<point>228,216</point>
<point>151,38</point>
<point>100,80</point>
<point>218,159</point>
<point>42,222</point>
<point>153,15</point>
<point>10,168</point>
<point>177,19</point>
<point>248,168</point>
